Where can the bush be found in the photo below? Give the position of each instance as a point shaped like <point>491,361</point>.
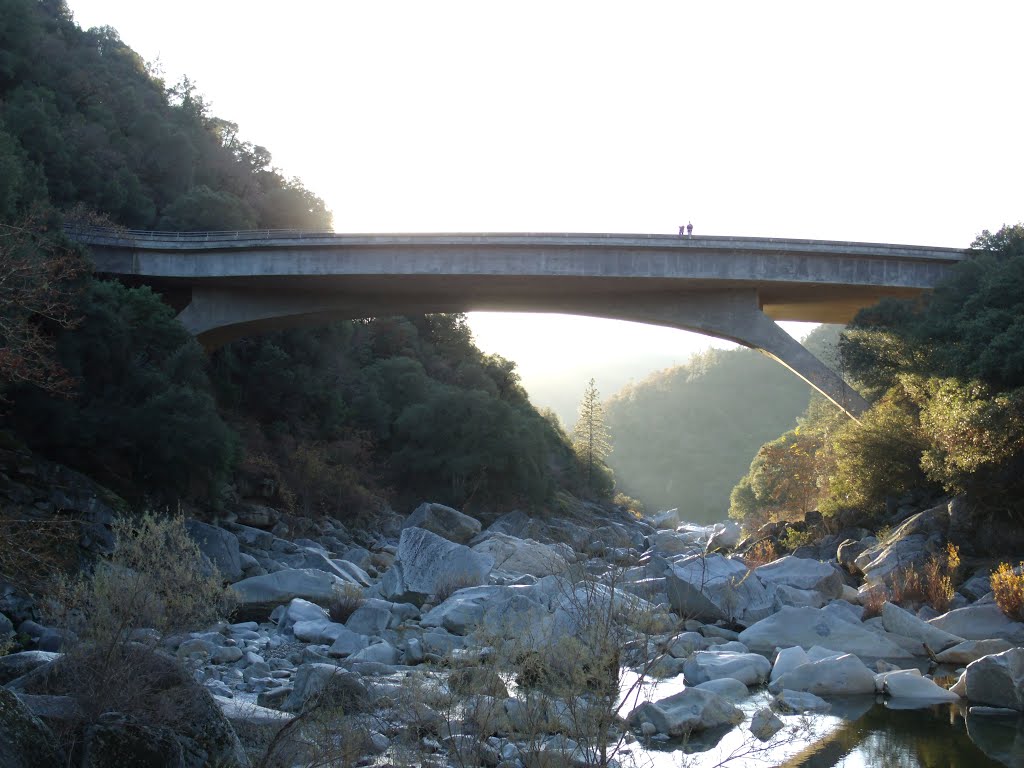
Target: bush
<point>156,579</point>
<point>760,553</point>
<point>875,459</point>
<point>346,601</point>
<point>1008,590</point>
<point>156,582</point>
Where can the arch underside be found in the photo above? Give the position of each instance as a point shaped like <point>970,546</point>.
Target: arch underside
<point>217,315</point>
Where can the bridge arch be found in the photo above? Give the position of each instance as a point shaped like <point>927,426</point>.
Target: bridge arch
<point>240,283</point>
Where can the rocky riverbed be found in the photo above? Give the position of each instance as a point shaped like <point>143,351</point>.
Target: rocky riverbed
<point>434,640</point>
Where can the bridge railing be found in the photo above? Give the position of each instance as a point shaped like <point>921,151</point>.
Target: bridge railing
<point>118,234</point>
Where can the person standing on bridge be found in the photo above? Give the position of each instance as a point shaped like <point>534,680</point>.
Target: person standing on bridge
<point>689,230</point>
<point>682,230</point>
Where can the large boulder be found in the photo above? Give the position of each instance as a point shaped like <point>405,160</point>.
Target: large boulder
<point>25,741</point>
<point>981,621</point>
<point>430,564</point>
<point>804,574</point>
<point>116,741</point>
<point>808,627</point>
<point>692,709</point>
<point>910,545</point>
<point>710,588</point>
<point>997,680</point>
<point>329,685</point>
<point>444,521</point>
<point>842,676</point>
<point>910,684</point>
<point>14,665</point>
<point>901,622</point>
<point>971,650</point>
<point>220,546</point>
<point>163,686</point>
<point>520,556</point>
<point>748,668</point>
<point>257,596</point>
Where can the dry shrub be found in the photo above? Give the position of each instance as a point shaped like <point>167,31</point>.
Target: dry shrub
<point>762,552</point>
<point>932,584</point>
<point>1008,590</point>
<point>155,582</point>
<point>345,602</point>
<point>36,546</point>
<point>156,579</point>
<point>873,600</point>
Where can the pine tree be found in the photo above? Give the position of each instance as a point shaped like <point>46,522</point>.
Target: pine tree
<point>590,437</point>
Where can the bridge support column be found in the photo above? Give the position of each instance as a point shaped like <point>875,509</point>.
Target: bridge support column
<point>737,316</point>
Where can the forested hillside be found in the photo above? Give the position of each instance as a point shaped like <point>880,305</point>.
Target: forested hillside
<point>101,376</point>
<point>945,378</point>
<point>683,437</point>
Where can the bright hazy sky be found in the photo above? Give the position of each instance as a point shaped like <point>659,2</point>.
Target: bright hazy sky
<point>871,121</point>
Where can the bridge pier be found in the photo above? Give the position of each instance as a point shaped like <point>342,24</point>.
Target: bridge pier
<point>736,316</point>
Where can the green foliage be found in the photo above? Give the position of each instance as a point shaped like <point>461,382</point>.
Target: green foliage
<point>971,430</point>
<point>877,458</point>
<point>591,440</point>
<point>684,437</point>
<point>782,480</point>
<point>143,416</point>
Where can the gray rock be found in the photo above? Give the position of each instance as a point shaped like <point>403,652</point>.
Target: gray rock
<point>327,680</point>
<point>25,740</point>
<point>371,618</point>
<point>808,627</point>
<point>803,574</point>
<point>748,668</point>
<point>842,676</point>
<point>116,741</point>
<point>257,516</point>
<point>797,702</point>
<point>849,550</point>
<point>900,622</point>
<point>765,724</point>
<point>712,588</point>
<point>997,680</point>
<point>972,650</point>
<point>520,556</point>
<point>259,595</point>
<point>15,665</point>
<point>729,688</point>
<point>219,545</point>
<point>980,621</point>
<point>444,521</point>
<point>692,709</point>
<point>347,643</point>
<point>431,564</point>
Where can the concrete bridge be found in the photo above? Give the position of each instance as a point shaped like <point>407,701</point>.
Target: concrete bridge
<point>233,284</point>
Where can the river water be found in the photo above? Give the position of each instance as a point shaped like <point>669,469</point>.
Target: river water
<point>858,732</point>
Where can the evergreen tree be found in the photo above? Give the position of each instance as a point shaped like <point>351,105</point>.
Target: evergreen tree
<point>590,437</point>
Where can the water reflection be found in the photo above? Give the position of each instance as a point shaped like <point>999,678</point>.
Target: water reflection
<point>859,732</point>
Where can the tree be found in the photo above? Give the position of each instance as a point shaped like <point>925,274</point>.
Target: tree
<point>37,279</point>
<point>590,437</point>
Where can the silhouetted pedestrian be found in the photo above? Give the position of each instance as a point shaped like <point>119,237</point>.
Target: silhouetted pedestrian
<point>682,230</point>
<point>689,230</point>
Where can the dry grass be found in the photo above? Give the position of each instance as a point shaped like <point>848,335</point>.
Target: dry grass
<point>932,584</point>
<point>762,552</point>
<point>346,602</point>
<point>1008,590</point>
<point>873,602</point>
